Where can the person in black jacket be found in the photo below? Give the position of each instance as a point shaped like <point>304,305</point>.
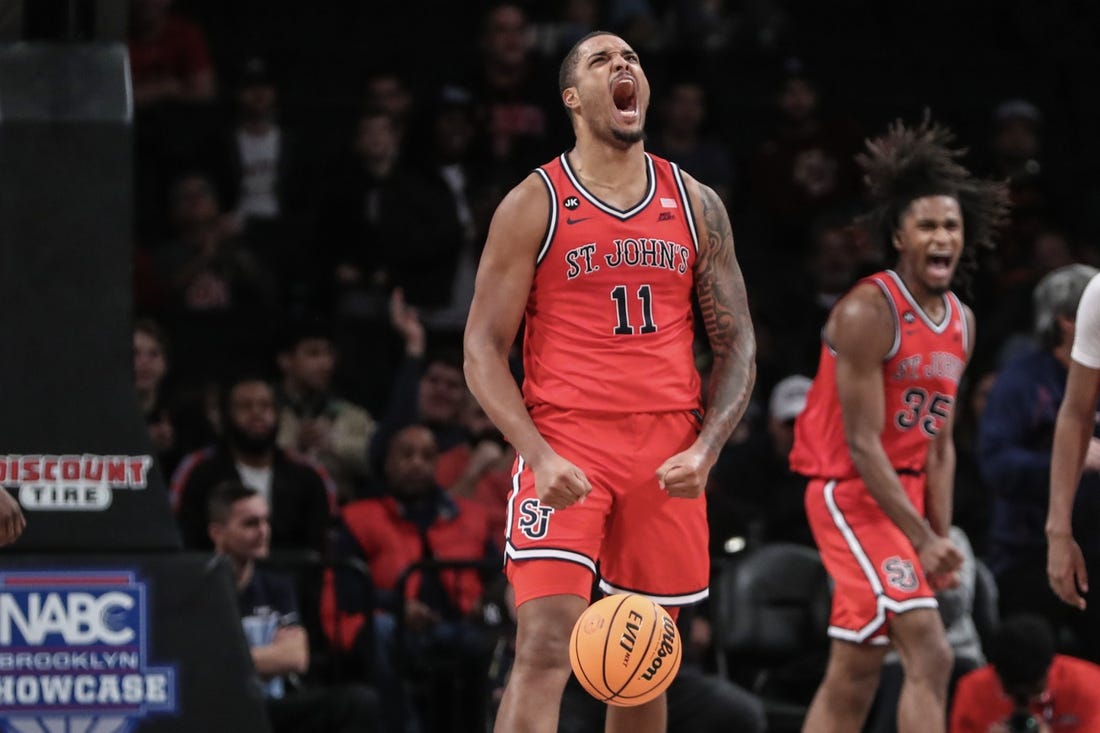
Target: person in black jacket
<point>299,492</point>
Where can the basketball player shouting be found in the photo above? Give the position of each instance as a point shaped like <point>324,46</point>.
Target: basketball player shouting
<point>601,251</point>
<point>875,436</point>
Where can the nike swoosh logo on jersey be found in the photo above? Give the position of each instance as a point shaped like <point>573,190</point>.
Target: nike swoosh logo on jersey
<point>569,220</point>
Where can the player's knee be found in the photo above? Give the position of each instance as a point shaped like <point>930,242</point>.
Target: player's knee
<point>860,680</point>
<point>544,646</point>
<point>930,662</point>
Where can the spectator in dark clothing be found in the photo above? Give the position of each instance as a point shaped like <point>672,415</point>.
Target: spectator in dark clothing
<point>796,308</point>
<point>1016,155</point>
<point>525,125</point>
<point>429,387</point>
<point>972,496</point>
<point>240,530</point>
<point>808,165</point>
<point>681,138</point>
<point>173,85</point>
<point>299,492</point>
<point>217,295</point>
<point>450,155</point>
<point>389,92</point>
<point>150,372</point>
<point>263,176</point>
<point>1015,440</point>
<point>204,266</point>
<point>386,225</point>
<point>752,493</point>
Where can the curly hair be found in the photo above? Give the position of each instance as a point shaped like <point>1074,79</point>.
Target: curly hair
<point>908,163</point>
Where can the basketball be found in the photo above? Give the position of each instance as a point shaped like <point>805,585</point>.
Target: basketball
<point>625,650</point>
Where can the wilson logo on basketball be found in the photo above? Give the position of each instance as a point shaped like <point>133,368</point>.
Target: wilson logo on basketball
<point>667,647</point>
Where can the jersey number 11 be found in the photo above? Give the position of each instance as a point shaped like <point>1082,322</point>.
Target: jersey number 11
<point>645,295</point>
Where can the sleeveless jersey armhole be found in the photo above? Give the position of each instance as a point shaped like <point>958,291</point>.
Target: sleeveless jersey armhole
<point>897,321</point>
<point>551,219</point>
<point>688,212</point>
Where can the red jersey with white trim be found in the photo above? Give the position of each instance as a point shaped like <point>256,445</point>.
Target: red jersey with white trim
<point>609,324</point>
<point>921,375</point>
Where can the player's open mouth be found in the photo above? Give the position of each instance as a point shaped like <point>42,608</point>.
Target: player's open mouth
<point>940,265</point>
<point>625,97</point>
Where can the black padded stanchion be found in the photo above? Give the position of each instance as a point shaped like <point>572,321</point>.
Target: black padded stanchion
<point>105,625</point>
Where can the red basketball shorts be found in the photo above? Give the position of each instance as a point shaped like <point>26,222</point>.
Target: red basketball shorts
<point>627,531</point>
<point>874,568</point>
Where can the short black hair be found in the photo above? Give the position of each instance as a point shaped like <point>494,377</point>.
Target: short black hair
<point>304,328</point>
<point>569,63</point>
<point>155,331</point>
<point>447,355</point>
<point>219,505</point>
<point>236,379</point>
<point>1021,652</point>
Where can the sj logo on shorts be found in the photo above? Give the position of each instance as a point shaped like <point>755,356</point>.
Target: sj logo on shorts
<point>900,574</point>
<point>534,518</point>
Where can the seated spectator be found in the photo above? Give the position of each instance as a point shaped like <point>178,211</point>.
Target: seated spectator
<point>216,295</point>
<point>150,370</point>
<point>436,615</point>
<point>752,492</point>
<point>388,91</point>
<point>429,387</point>
<point>480,468</point>
<point>169,60</point>
<point>1015,438</point>
<point>681,138</point>
<point>1016,155</point>
<point>384,224</point>
<point>298,492</point>
<point>807,166</point>
<point>261,175</point>
<point>204,266</point>
<point>796,309</point>
<point>312,420</point>
<point>240,529</point>
<point>260,151</point>
<point>523,123</point>
<point>447,146</point>
<point>1027,687</point>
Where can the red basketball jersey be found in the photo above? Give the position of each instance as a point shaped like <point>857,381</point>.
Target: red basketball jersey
<point>921,375</point>
<point>609,324</point>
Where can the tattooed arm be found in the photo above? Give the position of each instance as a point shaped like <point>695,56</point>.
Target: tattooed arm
<point>720,289</point>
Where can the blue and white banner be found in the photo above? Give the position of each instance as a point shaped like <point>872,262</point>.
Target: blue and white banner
<point>74,653</point>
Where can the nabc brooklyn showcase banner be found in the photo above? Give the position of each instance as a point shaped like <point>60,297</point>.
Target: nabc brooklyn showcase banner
<point>109,645</point>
